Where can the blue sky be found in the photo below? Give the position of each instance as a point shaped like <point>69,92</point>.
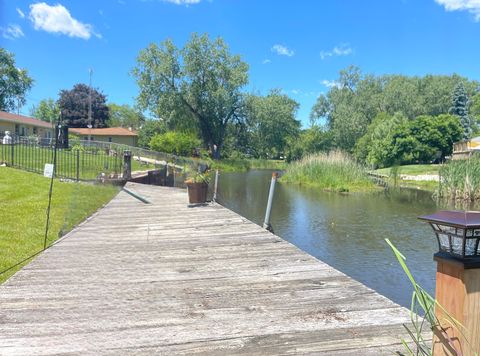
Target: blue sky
<point>298,45</point>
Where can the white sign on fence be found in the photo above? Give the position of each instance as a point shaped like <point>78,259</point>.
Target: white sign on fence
<point>48,170</point>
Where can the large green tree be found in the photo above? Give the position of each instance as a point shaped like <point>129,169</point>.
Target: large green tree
<point>149,129</point>
<point>425,139</point>
<point>311,140</point>
<point>74,107</point>
<point>271,122</point>
<point>46,110</point>
<point>14,82</point>
<point>201,81</point>
<point>376,147</point>
<point>474,113</point>
<point>125,116</point>
<point>356,99</point>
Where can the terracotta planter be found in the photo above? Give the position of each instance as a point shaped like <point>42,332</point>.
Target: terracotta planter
<point>197,192</point>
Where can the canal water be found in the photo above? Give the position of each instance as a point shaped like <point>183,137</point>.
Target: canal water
<point>347,231</point>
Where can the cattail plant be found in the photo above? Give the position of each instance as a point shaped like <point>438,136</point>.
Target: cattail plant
<point>460,180</point>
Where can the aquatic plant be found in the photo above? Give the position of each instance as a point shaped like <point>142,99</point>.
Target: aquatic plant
<point>335,170</point>
<point>423,318</point>
<point>460,179</point>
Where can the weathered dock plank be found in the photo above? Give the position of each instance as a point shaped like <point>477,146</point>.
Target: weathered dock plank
<point>164,278</point>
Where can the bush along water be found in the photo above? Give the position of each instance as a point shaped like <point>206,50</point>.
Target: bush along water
<point>336,171</point>
<point>460,180</point>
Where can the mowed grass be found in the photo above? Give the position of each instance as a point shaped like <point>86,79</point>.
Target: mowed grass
<point>394,174</point>
<point>23,204</point>
<point>335,171</point>
<point>413,169</point>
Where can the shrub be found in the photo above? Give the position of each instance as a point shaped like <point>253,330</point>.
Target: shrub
<point>178,143</point>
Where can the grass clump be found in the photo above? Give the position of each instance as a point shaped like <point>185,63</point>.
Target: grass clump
<point>335,171</point>
<point>23,212</point>
<point>460,179</point>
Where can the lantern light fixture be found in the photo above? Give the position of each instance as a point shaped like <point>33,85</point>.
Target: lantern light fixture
<point>458,235</point>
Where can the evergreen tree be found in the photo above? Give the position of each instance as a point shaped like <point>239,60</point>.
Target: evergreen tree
<point>460,108</point>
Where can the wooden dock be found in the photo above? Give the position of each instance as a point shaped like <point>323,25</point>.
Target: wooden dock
<point>163,278</point>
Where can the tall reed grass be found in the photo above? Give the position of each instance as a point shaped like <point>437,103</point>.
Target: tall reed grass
<point>460,179</point>
<point>336,171</point>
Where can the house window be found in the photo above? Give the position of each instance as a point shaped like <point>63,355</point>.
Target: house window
<point>109,139</point>
<point>35,131</point>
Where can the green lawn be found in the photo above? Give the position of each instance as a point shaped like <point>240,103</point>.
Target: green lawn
<point>24,199</point>
<point>413,169</point>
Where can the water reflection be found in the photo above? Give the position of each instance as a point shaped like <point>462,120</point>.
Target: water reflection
<point>345,231</point>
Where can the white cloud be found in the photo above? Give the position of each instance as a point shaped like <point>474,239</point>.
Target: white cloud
<point>266,61</point>
<point>11,32</point>
<point>330,83</point>
<point>282,50</point>
<point>20,13</point>
<point>343,49</point>
<point>304,94</point>
<point>472,6</point>
<point>57,19</point>
<point>183,2</point>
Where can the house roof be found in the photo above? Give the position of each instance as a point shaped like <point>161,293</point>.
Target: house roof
<point>109,131</point>
<point>25,120</point>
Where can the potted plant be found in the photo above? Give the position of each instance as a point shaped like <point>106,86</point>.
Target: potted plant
<point>197,186</point>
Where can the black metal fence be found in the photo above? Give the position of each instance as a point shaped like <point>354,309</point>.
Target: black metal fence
<point>78,163</point>
<point>87,160</point>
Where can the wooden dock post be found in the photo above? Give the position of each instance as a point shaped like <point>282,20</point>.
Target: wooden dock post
<point>266,222</point>
<point>458,292</point>
<point>127,164</point>
<point>215,187</point>
<point>457,289</point>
